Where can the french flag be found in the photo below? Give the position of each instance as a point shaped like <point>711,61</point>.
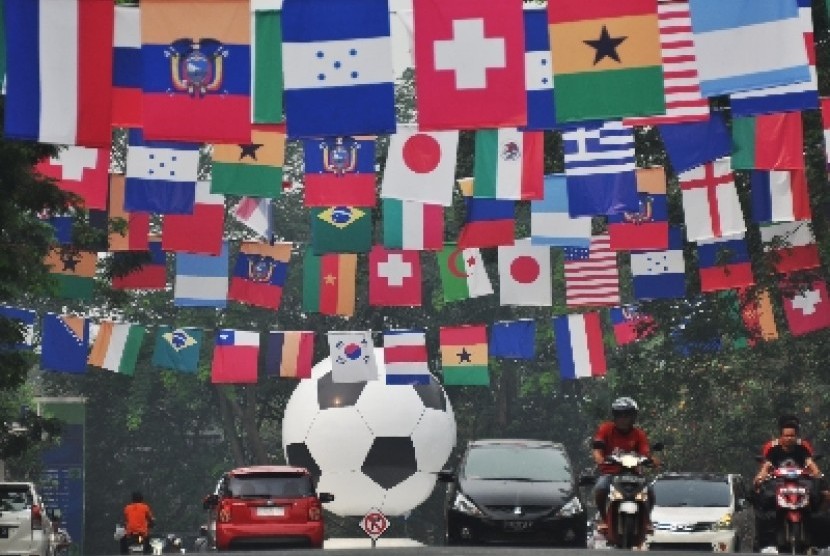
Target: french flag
<point>779,196</point>
<point>59,86</point>
<point>126,67</point>
<point>579,346</point>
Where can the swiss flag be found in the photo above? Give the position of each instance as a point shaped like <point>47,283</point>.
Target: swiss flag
<point>394,277</point>
<point>807,310</point>
<point>80,170</point>
<point>471,64</point>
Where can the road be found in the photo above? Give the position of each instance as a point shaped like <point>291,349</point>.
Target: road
<point>446,551</point>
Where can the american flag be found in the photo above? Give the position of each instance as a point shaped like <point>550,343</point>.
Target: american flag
<point>595,280</point>
<point>684,103</point>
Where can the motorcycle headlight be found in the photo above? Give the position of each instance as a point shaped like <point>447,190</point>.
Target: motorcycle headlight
<point>614,494</point>
<point>571,508</point>
<point>724,522</point>
<point>464,505</point>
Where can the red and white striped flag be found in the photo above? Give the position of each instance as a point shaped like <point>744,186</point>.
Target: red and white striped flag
<point>595,280</point>
<point>684,103</point>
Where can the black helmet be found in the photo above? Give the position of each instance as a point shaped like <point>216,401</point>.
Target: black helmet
<point>137,496</point>
<point>624,406</point>
<point>789,421</point>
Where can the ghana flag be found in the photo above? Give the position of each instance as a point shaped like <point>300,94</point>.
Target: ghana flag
<point>606,59</point>
<point>253,169</point>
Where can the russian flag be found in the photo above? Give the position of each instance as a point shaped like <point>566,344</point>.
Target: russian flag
<point>405,355</point>
<point>579,345</point>
<point>235,357</point>
<point>724,263</point>
<point>126,67</point>
<point>58,85</point>
<point>489,223</point>
<point>779,196</point>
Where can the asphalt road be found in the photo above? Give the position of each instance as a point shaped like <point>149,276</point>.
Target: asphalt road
<point>447,551</point>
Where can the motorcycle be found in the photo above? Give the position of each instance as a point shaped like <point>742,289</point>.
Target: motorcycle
<point>134,543</point>
<point>793,487</point>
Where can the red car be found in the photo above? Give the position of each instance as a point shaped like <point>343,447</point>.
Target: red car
<point>267,506</point>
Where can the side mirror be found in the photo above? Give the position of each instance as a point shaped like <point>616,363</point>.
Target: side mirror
<point>587,480</point>
<point>325,497</point>
<point>210,501</point>
<point>447,476</point>
<point>658,447</point>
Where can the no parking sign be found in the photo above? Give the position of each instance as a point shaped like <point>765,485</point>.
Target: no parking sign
<point>374,523</point>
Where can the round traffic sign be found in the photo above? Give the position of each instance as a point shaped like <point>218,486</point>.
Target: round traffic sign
<point>374,524</point>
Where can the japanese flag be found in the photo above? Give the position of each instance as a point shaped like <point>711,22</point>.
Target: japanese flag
<point>524,274</point>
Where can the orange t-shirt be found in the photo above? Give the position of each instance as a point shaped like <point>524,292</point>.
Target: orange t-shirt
<point>137,518</point>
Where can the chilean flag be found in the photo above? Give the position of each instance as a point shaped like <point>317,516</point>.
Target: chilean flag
<point>235,357</point>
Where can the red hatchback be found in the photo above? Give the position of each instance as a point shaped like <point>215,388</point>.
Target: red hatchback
<point>267,506</point>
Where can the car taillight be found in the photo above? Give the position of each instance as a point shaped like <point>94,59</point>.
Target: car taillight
<point>224,511</point>
<point>37,518</point>
<point>315,512</point>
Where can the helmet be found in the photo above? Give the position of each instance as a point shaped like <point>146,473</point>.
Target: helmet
<point>624,406</point>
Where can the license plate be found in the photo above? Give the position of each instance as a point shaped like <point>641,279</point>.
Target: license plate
<point>270,511</point>
<point>517,525</point>
<point>628,507</point>
<point>4,532</point>
<point>629,478</point>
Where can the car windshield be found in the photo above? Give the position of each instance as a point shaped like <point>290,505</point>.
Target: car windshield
<point>270,485</point>
<point>517,462</point>
<point>692,492</point>
<point>14,498</point>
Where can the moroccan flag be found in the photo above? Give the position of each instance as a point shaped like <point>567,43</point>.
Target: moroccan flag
<point>73,271</point>
<point>134,237</point>
<point>341,230</point>
<point>339,171</point>
<point>463,275</point>
<point>177,230</point>
<point>793,244</point>
<point>235,357</point>
<point>266,61</point>
<point>196,83</point>
<point>768,142</point>
<point>464,355</point>
<point>259,274</point>
<point>178,348</point>
<point>509,164</point>
<point>606,59</point>
<point>413,225</point>
<point>724,264</point>
<point>488,223</point>
<point>329,283</point>
<point>780,195</point>
<point>65,343</point>
<point>758,316</point>
<point>152,275</point>
<point>648,228</point>
<point>80,170</point>
<point>126,67</point>
<point>289,354</point>
<point>116,347</point>
<point>252,167</point>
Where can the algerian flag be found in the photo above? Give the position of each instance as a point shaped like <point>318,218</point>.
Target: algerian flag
<point>266,61</point>
<point>462,273</point>
<point>116,347</point>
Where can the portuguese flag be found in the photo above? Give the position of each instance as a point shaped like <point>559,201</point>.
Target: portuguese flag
<point>329,283</point>
<point>768,142</point>
<point>253,169</point>
<point>607,60</point>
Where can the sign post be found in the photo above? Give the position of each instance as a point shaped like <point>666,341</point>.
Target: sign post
<point>374,524</point>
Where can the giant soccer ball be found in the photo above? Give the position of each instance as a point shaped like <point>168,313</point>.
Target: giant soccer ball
<point>372,445</point>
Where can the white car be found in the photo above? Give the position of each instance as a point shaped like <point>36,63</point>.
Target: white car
<point>698,511</point>
<point>24,525</point>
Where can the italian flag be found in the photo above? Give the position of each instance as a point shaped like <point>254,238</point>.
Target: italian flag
<point>509,164</point>
<point>413,225</point>
<point>116,347</point>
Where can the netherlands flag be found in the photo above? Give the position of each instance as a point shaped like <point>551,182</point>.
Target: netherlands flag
<point>579,345</point>
<point>405,355</point>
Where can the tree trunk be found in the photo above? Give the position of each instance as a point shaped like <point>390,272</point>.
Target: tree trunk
<point>249,425</point>
<point>231,437</point>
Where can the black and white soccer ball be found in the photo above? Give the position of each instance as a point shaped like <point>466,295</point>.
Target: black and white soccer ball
<point>372,445</point>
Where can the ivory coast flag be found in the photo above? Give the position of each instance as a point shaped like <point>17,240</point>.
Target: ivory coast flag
<point>253,168</point>
<point>329,283</point>
<point>116,347</point>
<point>464,355</point>
<point>606,59</point>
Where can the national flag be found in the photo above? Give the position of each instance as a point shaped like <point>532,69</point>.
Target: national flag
<point>630,324</point>
<point>470,57</point>
<point>413,225</point>
<point>509,164</point>
<point>660,274</point>
<point>513,339</point>
<point>134,237</point>
<point>62,225</point>
<point>177,349</point>
<point>595,280</point>
<point>724,263</point>
<point>420,166</point>
<point>464,355</point>
<point>784,98</point>
<point>793,244</point>
<point>758,316</point>
<point>647,228</point>
<point>579,347</point>
<point>550,222</point>
<point>152,275</point>
<point>779,195</point>
<point>681,83</point>
<point>65,343</point>
<point>24,321</point>
<point>711,207</point>
<point>606,59</point>
<point>394,277</point>
<point>807,308</point>
<point>341,229</point>
<point>266,61</point>
<point>59,71</point>
<point>734,50</point>
<point>688,145</point>
<point>488,223</point>
<point>72,270</point>
<point>80,170</point>
<point>235,357</point>
<point>329,283</point>
<point>825,124</point>
<point>337,66</point>
<point>196,81</point>
<point>405,356</point>
<point>352,356</point>
<point>259,274</point>
<point>339,171</point>
<point>768,142</point>
<point>126,67</point>
<point>161,177</point>
<point>525,274</point>
<point>256,215</point>
<point>462,271</point>
<point>116,347</point>
<point>202,280</point>
<point>289,354</point>
<point>538,71</point>
<point>208,219</point>
<point>599,169</point>
<point>252,167</point>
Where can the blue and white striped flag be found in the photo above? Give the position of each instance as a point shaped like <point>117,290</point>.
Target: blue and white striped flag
<point>550,223</point>
<point>201,280</point>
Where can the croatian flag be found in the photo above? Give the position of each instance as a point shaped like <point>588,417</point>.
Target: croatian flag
<point>405,354</point>
<point>579,345</point>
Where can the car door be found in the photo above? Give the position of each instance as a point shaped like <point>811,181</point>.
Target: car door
<point>15,518</point>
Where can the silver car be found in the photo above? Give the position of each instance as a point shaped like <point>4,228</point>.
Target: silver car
<point>24,525</point>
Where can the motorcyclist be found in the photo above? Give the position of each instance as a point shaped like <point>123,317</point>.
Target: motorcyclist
<point>202,543</point>
<point>615,436</point>
<point>138,519</point>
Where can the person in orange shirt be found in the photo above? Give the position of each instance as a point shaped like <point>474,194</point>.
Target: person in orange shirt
<point>138,518</point>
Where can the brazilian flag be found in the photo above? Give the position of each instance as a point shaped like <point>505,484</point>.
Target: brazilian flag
<point>341,229</point>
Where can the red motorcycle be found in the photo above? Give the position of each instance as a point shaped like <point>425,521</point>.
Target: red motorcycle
<point>793,501</point>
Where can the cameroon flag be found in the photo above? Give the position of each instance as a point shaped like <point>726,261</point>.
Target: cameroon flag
<point>607,61</point>
<point>329,283</point>
<point>253,169</point>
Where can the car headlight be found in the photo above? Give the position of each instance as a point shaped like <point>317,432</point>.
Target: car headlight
<point>724,522</point>
<point>571,508</point>
<point>465,505</point>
